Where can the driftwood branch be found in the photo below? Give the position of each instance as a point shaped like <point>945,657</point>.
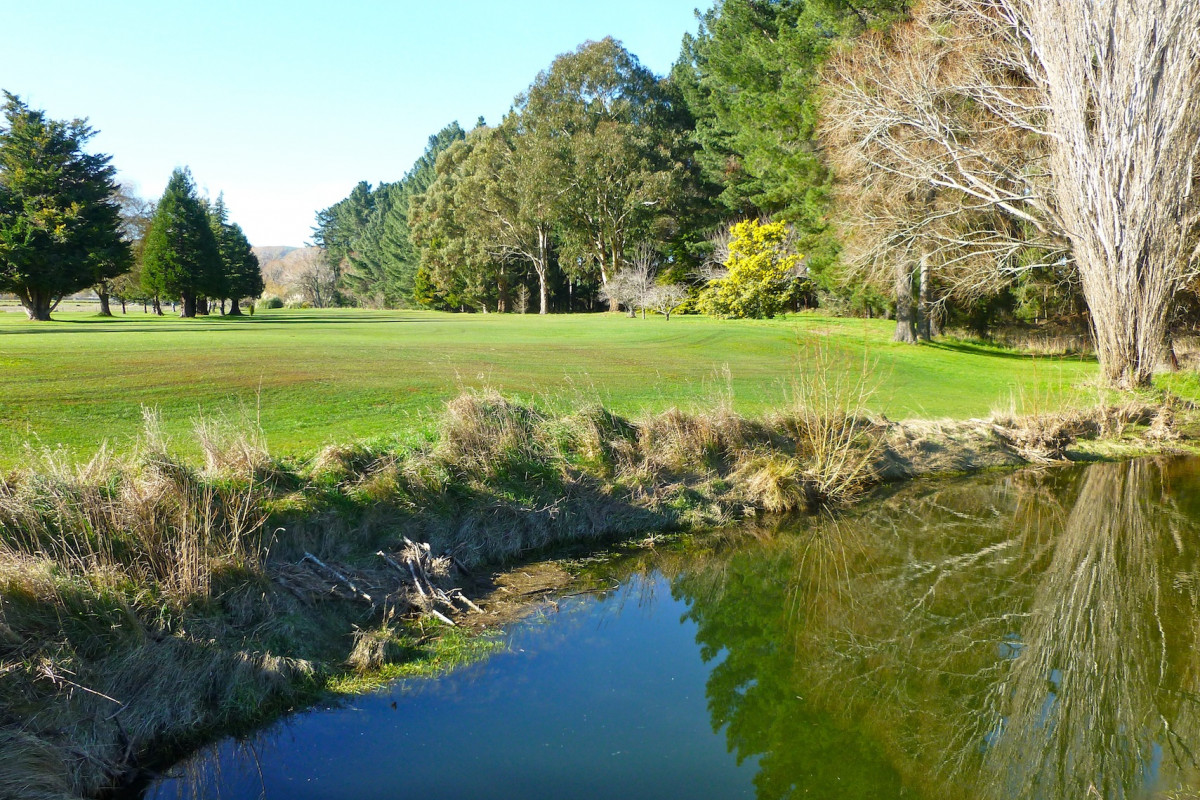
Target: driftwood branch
<point>339,577</point>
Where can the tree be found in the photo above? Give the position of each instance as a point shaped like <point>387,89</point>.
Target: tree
<point>316,280</point>
<point>241,276</point>
<point>453,229</point>
<point>634,286</point>
<point>1037,134</point>
<point>748,77</point>
<point>616,134</point>
<point>931,183</point>
<point>665,298</point>
<point>761,268</point>
<point>181,253</point>
<point>382,261</point>
<point>1121,79</point>
<point>511,181</point>
<point>136,215</point>
<point>339,226</point>
<point>59,215</point>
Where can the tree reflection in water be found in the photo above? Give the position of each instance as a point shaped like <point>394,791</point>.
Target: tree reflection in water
<point>1029,637</point>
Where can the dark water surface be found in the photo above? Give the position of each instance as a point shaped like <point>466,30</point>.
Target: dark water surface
<point>1027,635</point>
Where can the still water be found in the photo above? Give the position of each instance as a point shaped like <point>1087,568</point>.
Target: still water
<point>1026,635</point>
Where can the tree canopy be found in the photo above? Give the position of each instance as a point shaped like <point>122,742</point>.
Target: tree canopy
<point>60,224</point>
<point>181,258</point>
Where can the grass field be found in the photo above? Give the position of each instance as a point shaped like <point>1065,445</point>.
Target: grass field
<point>315,377</point>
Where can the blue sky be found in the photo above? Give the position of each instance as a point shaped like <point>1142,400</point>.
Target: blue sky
<point>284,106</point>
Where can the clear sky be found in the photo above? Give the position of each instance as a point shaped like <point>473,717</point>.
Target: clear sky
<point>284,106</point>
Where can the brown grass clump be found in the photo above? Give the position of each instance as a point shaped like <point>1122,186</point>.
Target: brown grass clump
<point>233,449</point>
<point>775,483</point>
<point>374,648</point>
<point>699,443</point>
<point>485,435</point>
<point>149,518</point>
<point>343,460</point>
<point>833,432</point>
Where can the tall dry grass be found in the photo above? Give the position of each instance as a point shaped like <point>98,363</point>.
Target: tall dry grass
<point>147,519</point>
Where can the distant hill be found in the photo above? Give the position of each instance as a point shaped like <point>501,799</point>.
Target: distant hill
<point>280,266</point>
<point>266,254</point>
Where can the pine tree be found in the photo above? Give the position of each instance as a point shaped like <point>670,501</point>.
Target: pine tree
<point>59,217</point>
<point>181,254</point>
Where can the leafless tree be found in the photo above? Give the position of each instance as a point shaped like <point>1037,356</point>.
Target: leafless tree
<point>664,298</point>
<point>1121,81</point>
<point>315,280</point>
<point>931,179</point>
<point>632,287</point>
<point>989,136</point>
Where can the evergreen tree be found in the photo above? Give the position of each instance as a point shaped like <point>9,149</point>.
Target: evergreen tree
<point>59,217</point>
<point>240,276</point>
<point>382,263</point>
<point>749,78</point>
<point>181,255</point>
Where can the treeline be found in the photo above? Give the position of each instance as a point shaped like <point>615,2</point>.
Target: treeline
<point>600,167</point>
<point>952,162</point>
<point>66,226</point>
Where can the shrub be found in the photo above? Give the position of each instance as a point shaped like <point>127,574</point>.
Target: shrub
<point>270,301</point>
<point>762,265</point>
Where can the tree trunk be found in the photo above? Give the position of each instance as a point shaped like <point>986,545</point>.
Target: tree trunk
<point>123,311</point>
<point>37,304</point>
<point>158,307</point>
<point>105,310</point>
<point>906,322</point>
<point>541,267</point>
<point>924,304</point>
<point>234,309</point>
<point>189,306</point>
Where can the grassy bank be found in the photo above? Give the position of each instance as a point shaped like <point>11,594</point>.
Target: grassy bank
<point>148,599</point>
<point>313,378</point>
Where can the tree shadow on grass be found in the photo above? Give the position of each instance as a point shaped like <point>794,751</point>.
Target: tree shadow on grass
<point>201,325</point>
<point>976,349</point>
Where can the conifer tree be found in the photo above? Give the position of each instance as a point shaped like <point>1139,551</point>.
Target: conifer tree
<point>240,276</point>
<point>181,253</point>
<point>59,217</point>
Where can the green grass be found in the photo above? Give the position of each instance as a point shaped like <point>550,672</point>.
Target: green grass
<point>316,377</point>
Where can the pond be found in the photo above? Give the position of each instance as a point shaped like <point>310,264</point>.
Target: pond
<point>1025,635</point>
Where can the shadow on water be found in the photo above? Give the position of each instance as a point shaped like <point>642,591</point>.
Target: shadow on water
<point>1030,635</point>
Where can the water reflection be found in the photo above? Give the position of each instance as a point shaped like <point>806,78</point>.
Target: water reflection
<point>1030,637</point>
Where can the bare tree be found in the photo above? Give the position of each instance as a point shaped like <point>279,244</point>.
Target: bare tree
<point>1121,81</point>
<point>666,297</point>
<point>632,287</point>
<point>931,179</point>
<point>989,136</point>
<point>315,280</point>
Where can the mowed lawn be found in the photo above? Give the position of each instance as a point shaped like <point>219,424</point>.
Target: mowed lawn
<point>316,377</point>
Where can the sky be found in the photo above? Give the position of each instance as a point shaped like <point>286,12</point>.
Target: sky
<point>284,106</point>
